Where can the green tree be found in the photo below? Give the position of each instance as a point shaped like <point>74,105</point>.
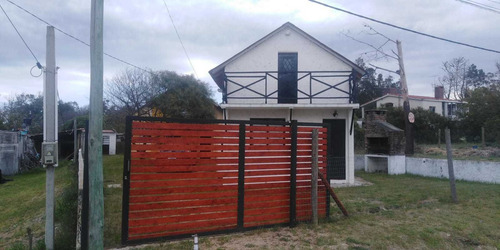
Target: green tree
<point>368,85</point>
<point>28,106</point>
<point>483,110</point>
<point>426,124</point>
<point>183,97</point>
<point>24,106</point>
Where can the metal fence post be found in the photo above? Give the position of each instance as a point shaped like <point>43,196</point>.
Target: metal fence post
<point>314,177</point>
<point>241,177</point>
<point>293,174</point>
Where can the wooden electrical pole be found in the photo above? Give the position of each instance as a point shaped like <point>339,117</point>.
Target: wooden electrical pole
<point>96,203</point>
<point>75,143</point>
<point>409,150</point>
<point>50,133</point>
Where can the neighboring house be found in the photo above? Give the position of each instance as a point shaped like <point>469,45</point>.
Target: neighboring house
<point>109,142</point>
<point>437,104</point>
<point>289,75</point>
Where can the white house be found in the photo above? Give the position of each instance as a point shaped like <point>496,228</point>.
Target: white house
<point>437,104</point>
<point>289,75</point>
<point>109,142</point>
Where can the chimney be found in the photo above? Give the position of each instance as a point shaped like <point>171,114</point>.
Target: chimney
<point>439,92</point>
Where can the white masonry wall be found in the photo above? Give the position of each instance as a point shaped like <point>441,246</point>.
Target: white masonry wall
<point>265,58</point>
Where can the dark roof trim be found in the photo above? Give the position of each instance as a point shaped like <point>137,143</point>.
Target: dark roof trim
<point>217,73</point>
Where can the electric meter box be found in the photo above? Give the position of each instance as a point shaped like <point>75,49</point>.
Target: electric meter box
<point>49,153</point>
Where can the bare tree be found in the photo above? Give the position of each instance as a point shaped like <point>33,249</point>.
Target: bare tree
<point>454,79</point>
<point>132,90</point>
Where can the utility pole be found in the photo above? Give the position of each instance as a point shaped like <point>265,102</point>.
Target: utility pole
<point>96,203</point>
<point>50,134</point>
<point>75,143</point>
<point>409,118</point>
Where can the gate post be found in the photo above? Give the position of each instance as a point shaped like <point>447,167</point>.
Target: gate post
<point>293,174</point>
<point>241,177</point>
<point>126,179</point>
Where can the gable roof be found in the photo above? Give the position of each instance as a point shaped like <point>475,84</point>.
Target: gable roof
<point>217,73</point>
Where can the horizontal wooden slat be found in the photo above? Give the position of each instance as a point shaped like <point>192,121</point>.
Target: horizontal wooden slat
<point>182,155</point>
<point>250,199</point>
<point>185,190</point>
<point>184,133</point>
<point>183,210</point>
<point>267,204</point>
<point>267,128</point>
<point>163,205</point>
<point>182,168</point>
<point>182,197</point>
<point>182,218</point>
<point>159,147</point>
<point>285,217</point>
<point>186,183</point>
<point>199,176</point>
<point>184,126</point>
<point>267,179</point>
<point>177,162</point>
<point>267,160</point>
<point>189,140</point>
<point>267,191</point>
<point>268,141</point>
<point>181,226</point>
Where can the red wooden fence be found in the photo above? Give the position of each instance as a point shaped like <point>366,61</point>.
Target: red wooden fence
<point>186,178</point>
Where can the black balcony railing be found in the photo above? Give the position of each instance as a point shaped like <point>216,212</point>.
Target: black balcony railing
<point>311,85</point>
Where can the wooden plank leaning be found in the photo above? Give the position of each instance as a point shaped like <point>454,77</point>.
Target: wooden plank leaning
<point>332,193</point>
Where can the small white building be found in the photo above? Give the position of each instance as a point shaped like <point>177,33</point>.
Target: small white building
<point>109,142</point>
<point>289,75</point>
<point>437,104</point>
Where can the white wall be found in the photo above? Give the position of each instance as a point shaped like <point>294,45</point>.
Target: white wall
<point>264,57</point>
<point>305,115</point>
<point>480,171</point>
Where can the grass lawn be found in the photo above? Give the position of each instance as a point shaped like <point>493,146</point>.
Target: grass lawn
<point>395,212</point>
<point>22,205</point>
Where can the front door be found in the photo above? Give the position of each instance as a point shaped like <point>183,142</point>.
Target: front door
<point>287,77</point>
<point>336,149</point>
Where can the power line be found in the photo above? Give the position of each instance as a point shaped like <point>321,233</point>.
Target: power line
<point>180,40</point>
<point>493,1</point>
<point>33,54</point>
<point>406,29</point>
<point>481,6</point>
<point>73,37</point>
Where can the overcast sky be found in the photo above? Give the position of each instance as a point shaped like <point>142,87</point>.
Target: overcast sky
<point>140,32</point>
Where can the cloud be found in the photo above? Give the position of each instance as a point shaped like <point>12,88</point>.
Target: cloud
<point>141,32</point>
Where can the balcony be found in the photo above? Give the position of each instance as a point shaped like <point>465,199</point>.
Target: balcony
<point>310,87</point>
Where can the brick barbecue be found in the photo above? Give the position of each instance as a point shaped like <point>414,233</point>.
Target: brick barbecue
<point>382,137</point>
<point>384,144</point>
